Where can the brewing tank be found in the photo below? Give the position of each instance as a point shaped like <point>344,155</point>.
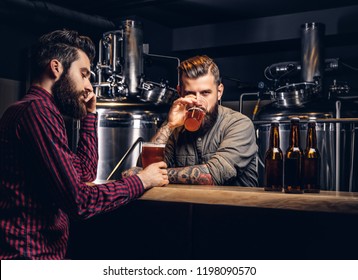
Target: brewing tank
<point>119,126</point>
<point>132,54</point>
<point>312,58</point>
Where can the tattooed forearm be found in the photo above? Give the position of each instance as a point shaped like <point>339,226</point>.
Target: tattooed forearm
<point>130,172</point>
<point>162,136</point>
<point>193,175</point>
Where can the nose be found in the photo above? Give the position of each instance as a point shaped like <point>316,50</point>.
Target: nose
<point>88,85</point>
<point>198,95</point>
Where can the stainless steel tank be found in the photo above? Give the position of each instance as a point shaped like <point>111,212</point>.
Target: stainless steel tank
<point>325,137</point>
<point>119,126</point>
<point>132,54</point>
<point>337,143</point>
<point>120,65</point>
<point>312,58</point>
<point>348,146</point>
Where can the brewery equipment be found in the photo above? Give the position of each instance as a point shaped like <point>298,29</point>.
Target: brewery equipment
<point>119,71</point>
<point>325,136</point>
<point>119,126</point>
<point>129,106</point>
<point>306,100</point>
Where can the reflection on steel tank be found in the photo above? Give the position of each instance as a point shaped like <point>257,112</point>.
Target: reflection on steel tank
<point>119,126</point>
<point>325,136</point>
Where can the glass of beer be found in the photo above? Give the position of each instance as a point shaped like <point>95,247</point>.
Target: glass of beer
<point>151,153</point>
<point>194,116</point>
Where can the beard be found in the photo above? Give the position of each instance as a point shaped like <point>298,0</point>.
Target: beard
<point>68,99</point>
<point>209,119</point>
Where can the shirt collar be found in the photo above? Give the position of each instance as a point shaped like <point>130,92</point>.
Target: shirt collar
<point>41,92</point>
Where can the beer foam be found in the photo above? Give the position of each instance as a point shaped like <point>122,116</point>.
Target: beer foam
<point>154,145</point>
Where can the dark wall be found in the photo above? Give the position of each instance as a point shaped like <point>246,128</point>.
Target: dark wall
<point>243,49</point>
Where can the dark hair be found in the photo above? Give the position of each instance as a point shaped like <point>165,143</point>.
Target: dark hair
<point>62,45</point>
<point>199,66</point>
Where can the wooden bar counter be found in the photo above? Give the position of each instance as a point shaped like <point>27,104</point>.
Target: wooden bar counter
<point>216,222</point>
<point>325,201</point>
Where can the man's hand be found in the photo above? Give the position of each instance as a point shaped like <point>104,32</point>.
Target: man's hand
<point>154,175</point>
<point>91,101</point>
<point>177,112</point>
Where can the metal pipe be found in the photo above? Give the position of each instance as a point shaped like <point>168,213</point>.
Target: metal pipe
<point>311,56</point>
<point>326,120</point>
<point>246,94</point>
<point>351,171</point>
<point>99,70</point>
<point>114,53</point>
<point>139,140</point>
<point>132,48</point>
<point>169,57</point>
<point>338,144</point>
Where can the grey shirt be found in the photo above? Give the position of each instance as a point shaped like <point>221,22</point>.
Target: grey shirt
<point>229,149</point>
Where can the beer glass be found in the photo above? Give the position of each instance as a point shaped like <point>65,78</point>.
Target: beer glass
<point>194,116</point>
<point>151,153</point>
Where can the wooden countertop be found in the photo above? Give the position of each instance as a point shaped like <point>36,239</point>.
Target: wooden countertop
<point>326,201</point>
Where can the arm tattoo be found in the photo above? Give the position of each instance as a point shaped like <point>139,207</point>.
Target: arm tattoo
<point>193,175</point>
<point>132,171</point>
<point>162,136</point>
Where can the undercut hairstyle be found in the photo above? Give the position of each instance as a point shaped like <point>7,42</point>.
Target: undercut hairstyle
<point>62,45</point>
<point>199,66</point>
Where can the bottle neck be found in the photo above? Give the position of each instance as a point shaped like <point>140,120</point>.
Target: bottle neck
<point>311,136</point>
<point>295,135</point>
<point>274,136</point>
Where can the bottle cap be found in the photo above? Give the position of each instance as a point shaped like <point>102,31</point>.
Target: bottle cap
<point>295,120</point>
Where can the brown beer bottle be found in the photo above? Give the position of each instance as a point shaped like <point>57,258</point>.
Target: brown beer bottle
<point>274,161</point>
<point>311,161</point>
<point>293,157</point>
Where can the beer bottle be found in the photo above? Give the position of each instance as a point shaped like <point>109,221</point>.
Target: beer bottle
<point>274,161</point>
<point>311,161</point>
<point>293,157</point>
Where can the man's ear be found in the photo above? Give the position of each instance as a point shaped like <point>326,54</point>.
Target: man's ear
<point>56,69</point>
<point>220,91</point>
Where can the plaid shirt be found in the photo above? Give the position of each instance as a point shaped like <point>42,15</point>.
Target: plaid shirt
<point>42,181</point>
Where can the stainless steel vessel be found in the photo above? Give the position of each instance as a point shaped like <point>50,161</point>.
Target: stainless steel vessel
<point>119,126</point>
<point>325,137</point>
<point>336,139</point>
<point>312,59</point>
<point>129,107</point>
<point>312,63</point>
<point>120,64</point>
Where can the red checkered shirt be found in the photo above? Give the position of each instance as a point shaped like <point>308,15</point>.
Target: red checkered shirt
<point>42,182</point>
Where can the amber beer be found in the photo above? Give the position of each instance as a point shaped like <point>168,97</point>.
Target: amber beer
<point>193,118</point>
<point>293,158</point>
<point>311,161</point>
<point>274,161</point>
<point>151,153</point>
